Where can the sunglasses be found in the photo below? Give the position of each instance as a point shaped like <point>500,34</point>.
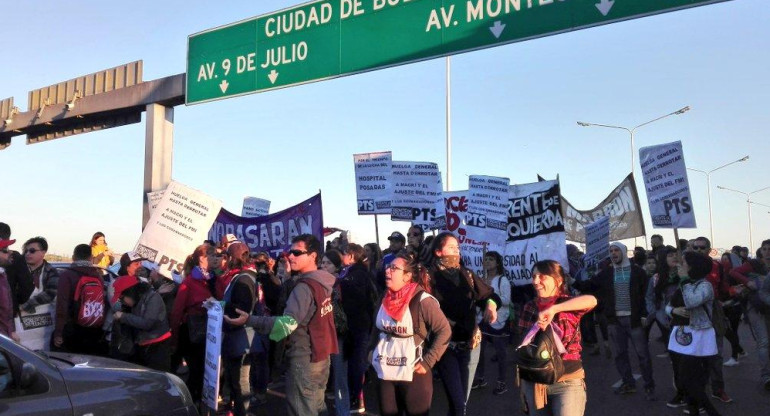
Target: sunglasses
<point>297,253</point>
<point>4,251</point>
<point>699,247</point>
<point>31,251</point>
<point>414,235</point>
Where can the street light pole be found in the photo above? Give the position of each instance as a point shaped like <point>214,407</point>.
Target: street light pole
<point>708,185</point>
<point>748,204</point>
<point>632,130</point>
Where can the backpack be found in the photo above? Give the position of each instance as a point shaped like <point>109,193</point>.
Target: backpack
<point>89,302</point>
<point>538,358</point>
<point>717,316</point>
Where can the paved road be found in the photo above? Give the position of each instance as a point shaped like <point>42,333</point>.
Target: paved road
<point>742,385</point>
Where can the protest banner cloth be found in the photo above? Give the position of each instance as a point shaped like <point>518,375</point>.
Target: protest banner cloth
<point>213,361</point>
<point>153,199</point>
<point>416,188</point>
<point>272,233</point>
<point>374,176</point>
<point>621,206</point>
<point>486,219</point>
<point>255,207</point>
<point>535,229</point>
<point>35,329</point>
<point>179,224</point>
<point>668,190</point>
<point>597,237</point>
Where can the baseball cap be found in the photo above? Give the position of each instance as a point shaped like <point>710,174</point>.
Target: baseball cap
<point>230,238</point>
<point>237,250</point>
<point>6,243</point>
<point>120,285</point>
<point>397,236</point>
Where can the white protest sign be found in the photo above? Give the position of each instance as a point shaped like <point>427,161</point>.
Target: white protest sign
<point>668,191</point>
<point>153,199</point>
<point>180,223</point>
<point>35,329</point>
<point>373,182</point>
<point>597,241</point>
<point>213,360</point>
<point>416,188</point>
<point>535,229</point>
<point>487,216</point>
<point>255,207</point>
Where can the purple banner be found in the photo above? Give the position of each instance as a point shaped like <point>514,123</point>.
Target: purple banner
<point>272,233</point>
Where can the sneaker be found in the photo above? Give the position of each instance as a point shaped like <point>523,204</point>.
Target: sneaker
<point>722,396</point>
<point>357,407</point>
<point>677,401</point>
<point>625,389</point>
<point>701,410</point>
<point>500,388</point>
<point>479,383</point>
<point>732,362</point>
<point>649,394</point>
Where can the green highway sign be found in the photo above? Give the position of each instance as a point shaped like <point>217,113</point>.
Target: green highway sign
<point>329,38</point>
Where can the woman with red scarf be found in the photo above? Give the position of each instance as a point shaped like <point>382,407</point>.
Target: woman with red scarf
<point>566,397</point>
<point>408,316</point>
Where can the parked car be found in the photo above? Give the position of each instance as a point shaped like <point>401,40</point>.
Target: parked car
<point>48,384</point>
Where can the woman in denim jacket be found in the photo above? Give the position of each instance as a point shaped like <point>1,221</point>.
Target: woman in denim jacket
<point>693,339</point>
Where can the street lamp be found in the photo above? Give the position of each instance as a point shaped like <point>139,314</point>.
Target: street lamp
<point>631,132</point>
<point>708,185</point>
<point>748,204</point>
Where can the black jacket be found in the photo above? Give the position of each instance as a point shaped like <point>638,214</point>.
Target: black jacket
<point>20,281</point>
<point>359,298</point>
<point>603,285</point>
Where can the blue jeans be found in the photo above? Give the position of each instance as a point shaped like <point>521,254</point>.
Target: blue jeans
<point>457,368</point>
<point>760,326</point>
<point>499,343</point>
<point>305,385</point>
<point>621,333</point>
<point>565,398</point>
<point>340,371</point>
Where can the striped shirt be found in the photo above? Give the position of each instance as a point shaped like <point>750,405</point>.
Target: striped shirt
<point>623,291</point>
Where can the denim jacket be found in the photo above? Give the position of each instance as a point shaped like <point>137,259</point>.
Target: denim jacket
<point>697,299</point>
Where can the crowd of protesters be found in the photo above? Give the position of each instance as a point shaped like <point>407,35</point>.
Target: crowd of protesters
<point>318,319</point>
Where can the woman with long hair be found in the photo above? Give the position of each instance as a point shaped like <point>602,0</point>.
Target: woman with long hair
<point>101,255</point>
<point>661,287</point>
<point>189,317</point>
<point>459,292</point>
<point>693,342</point>
<point>554,306</point>
<point>359,300</point>
<point>411,322</point>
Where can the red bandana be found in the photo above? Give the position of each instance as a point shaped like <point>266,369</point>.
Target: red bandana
<point>395,303</point>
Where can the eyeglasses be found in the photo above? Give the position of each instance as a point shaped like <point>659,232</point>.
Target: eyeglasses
<point>699,248</point>
<point>297,253</point>
<point>4,250</point>
<point>31,251</point>
<point>414,235</point>
<point>393,267</point>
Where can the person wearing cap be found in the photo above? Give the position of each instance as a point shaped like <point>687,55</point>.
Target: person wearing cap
<point>6,311</point>
<point>227,240</point>
<point>621,289</point>
<point>147,315</point>
<point>397,243</point>
<point>19,278</point>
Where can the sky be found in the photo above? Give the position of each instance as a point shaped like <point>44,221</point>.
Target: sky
<point>513,114</point>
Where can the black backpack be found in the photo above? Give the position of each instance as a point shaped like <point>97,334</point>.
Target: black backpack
<point>540,361</point>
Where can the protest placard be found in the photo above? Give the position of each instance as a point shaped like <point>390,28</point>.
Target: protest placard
<point>213,357</point>
<point>255,207</point>
<point>597,237</point>
<point>535,229</point>
<point>179,224</point>
<point>668,190</point>
<point>153,199</point>
<point>416,188</point>
<point>272,233</point>
<point>373,182</point>
<point>35,329</point>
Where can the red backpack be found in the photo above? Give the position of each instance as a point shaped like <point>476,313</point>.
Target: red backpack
<point>89,302</point>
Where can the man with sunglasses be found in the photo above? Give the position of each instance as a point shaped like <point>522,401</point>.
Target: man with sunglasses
<point>44,276</point>
<point>308,315</point>
<point>702,245</point>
